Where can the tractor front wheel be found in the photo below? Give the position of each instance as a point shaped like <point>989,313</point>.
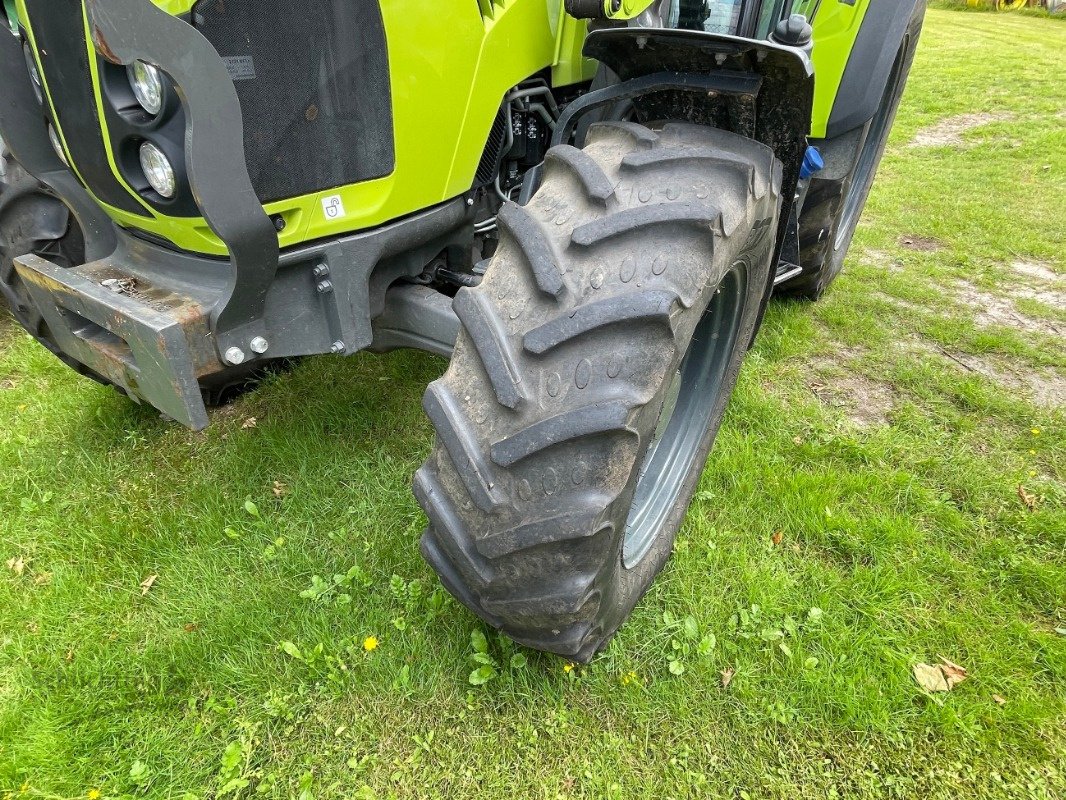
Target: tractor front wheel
<point>591,373</point>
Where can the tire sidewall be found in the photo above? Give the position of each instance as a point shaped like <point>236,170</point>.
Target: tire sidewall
<point>634,582</point>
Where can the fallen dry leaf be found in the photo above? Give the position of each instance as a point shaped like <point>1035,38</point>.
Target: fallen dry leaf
<point>251,422</point>
<point>942,677</point>
<point>953,673</point>
<point>17,565</point>
<point>930,678</point>
<point>777,537</point>
<point>42,579</point>
<point>70,655</point>
<point>727,676</point>
<point>1000,700</point>
<point>190,627</point>
<point>1028,499</point>
<point>147,584</point>
<point>280,489</point>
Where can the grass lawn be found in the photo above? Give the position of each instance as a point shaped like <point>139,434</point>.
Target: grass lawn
<point>186,615</point>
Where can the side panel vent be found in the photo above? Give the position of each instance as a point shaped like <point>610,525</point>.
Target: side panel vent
<point>489,165</point>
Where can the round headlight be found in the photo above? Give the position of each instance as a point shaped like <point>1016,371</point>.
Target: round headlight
<point>147,84</point>
<point>158,170</point>
<point>53,137</point>
<point>35,76</point>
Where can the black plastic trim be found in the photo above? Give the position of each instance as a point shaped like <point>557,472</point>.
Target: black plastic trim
<point>870,63</point>
<point>63,58</point>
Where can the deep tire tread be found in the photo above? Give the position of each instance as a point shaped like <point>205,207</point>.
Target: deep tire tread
<point>592,177</point>
<point>566,527</point>
<point>488,336</point>
<point>448,528</point>
<point>588,420</point>
<point>700,157</point>
<point>535,245</point>
<point>635,220</point>
<point>637,306</point>
<point>461,443</point>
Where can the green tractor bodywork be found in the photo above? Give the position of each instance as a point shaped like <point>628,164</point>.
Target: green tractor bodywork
<point>452,85</point>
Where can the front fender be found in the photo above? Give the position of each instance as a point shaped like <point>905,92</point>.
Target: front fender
<point>778,113</point>
<point>775,111</point>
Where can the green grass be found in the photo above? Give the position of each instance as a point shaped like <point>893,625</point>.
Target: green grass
<point>890,469</point>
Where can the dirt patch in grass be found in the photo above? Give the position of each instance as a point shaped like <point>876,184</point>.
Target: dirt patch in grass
<point>899,302</point>
<point>948,132</point>
<point>923,244</point>
<point>989,309</point>
<point>1045,388</point>
<point>1049,297</point>
<point>1038,270</point>
<point>836,382</point>
<point>881,260</point>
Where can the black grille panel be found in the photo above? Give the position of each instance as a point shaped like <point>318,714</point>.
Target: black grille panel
<point>313,82</point>
<point>59,34</point>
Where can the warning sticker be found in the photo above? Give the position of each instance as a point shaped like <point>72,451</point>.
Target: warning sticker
<point>240,68</point>
<point>333,206</point>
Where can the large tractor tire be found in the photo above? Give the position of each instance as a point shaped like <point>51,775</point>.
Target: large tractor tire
<point>832,208</point>
<point>34,220</point>
<point>591,373</point>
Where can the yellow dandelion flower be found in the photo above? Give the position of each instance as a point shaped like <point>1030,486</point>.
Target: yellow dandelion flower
<point>370,643</point>
<point>568,667</point>
<point>1035,431</point>
<point>93,794</point>
<point>25,787</point>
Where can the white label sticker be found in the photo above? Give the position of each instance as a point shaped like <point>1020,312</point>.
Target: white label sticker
<point>333,206</point>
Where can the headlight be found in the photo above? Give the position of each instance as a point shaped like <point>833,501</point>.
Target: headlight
<point>53,137</point>
<point>147,84</point>
<point>35,76</point>
<point>158,170</point>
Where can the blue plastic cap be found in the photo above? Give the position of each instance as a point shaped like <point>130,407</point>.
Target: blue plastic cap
<point>812,162</point>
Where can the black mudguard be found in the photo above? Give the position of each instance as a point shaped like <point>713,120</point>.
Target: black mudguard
<point>774,110</point>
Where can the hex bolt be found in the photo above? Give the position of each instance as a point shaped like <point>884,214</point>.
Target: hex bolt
<point>279,222</point>
<point>337,348</point>
<point>324,287</point>
<point>259,345</point>
<point>320,271</point>
<point>234,356</point>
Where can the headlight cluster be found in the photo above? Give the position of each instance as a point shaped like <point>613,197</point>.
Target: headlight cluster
<point>38,91</point>
<point>147,84</point>
<point>145,122</point>
<point>53,137</point>
<point>158,170</point>
<point>35,76</point>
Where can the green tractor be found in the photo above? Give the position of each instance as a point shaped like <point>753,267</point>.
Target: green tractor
<point>584,204</point>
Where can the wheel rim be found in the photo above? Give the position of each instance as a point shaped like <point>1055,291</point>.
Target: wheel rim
<point>868,156</point>
<point>687,413</point>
